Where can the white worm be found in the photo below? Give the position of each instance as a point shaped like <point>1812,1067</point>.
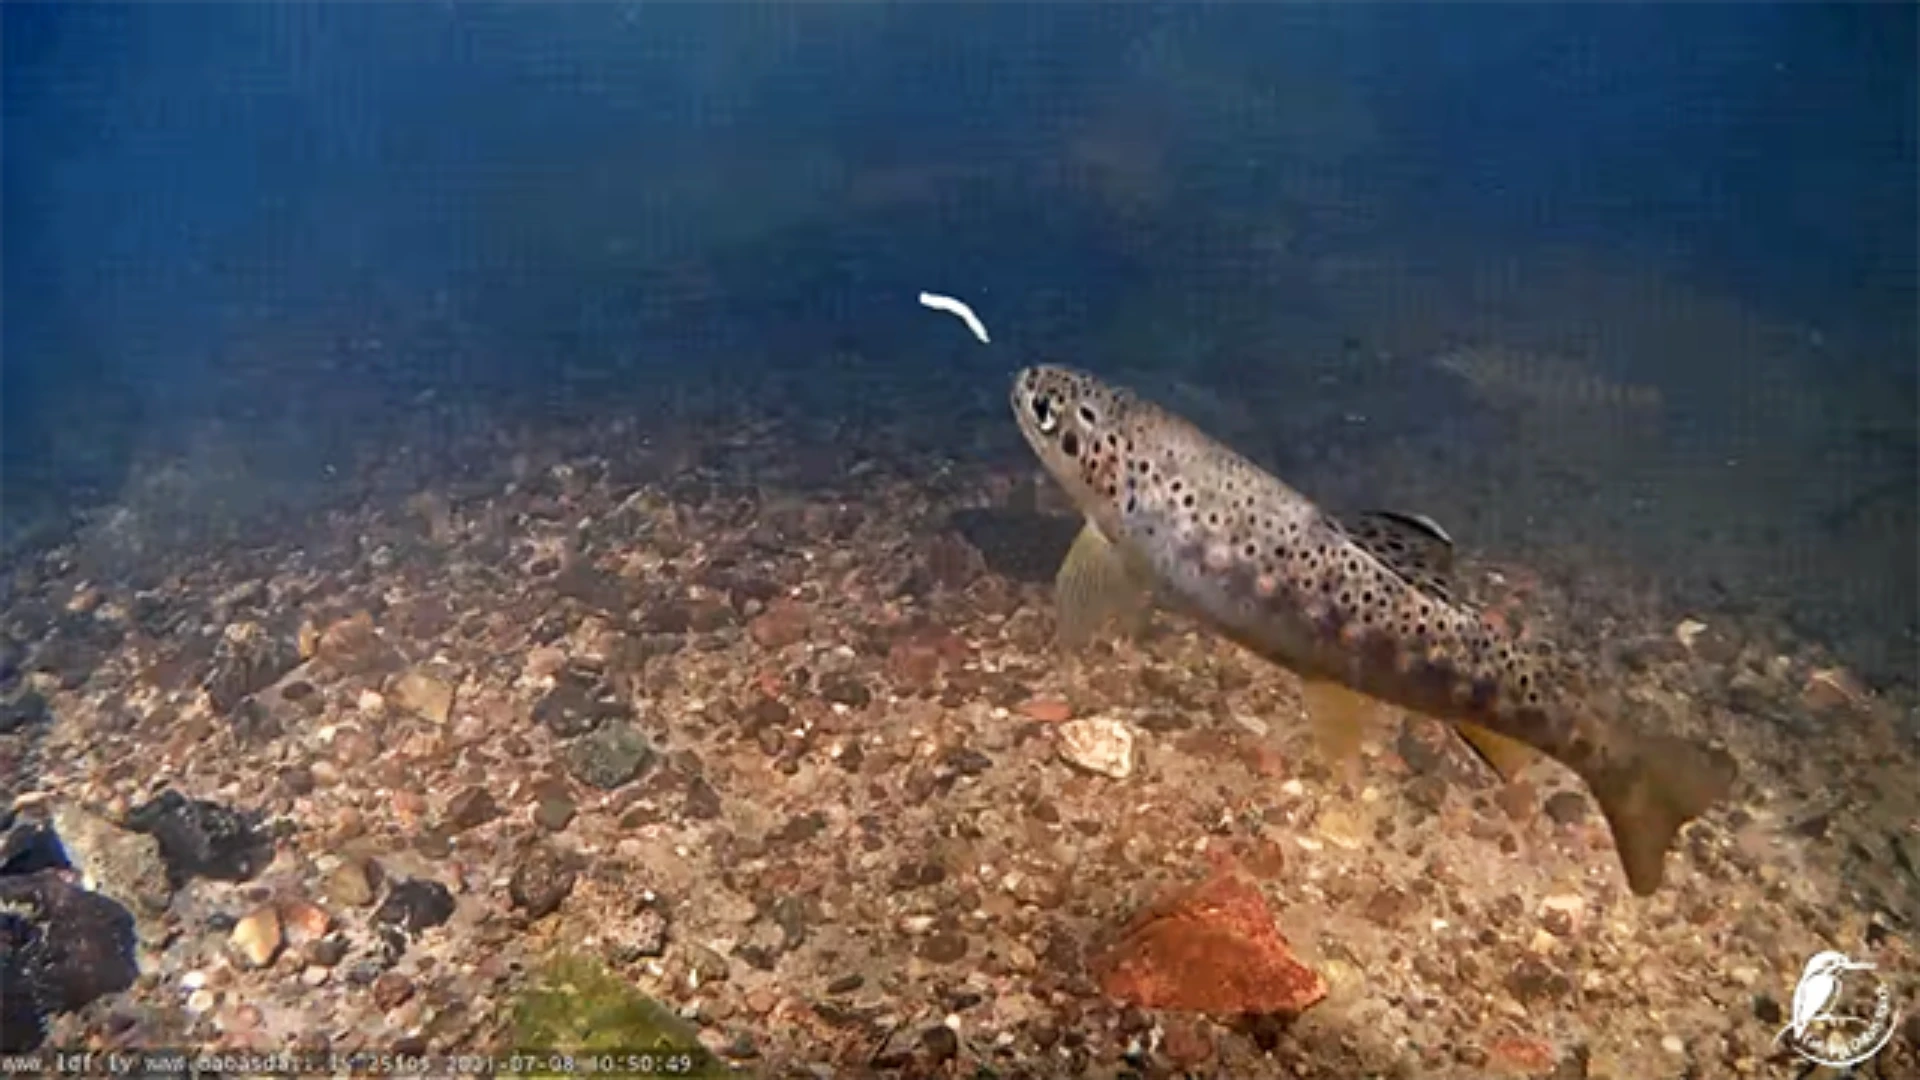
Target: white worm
<point>954,307</point>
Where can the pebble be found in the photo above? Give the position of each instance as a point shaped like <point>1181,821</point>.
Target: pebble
<point>554,810</point>
<point>422,694</point>
<point>1672,1044</point>
<point>541,882</point>
<point>304,922</point>
<point>609,756</point>
<point>471,807</point>
<point>1098,745</point>
<point>351,884</point>
<point>257,937</point>
<point>391,990</point>
<point>1566,808</point>
<point>943,947</point>
<point>647,935</point>
<point>416,904</point>
<point>1047,710</point>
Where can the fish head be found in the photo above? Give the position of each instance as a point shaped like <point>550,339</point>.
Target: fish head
<point>1077,425</point>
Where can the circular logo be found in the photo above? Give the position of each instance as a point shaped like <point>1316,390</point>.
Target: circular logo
<point>1842,1013</point>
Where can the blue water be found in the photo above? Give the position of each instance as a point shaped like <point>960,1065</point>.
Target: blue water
<point>301,221</point>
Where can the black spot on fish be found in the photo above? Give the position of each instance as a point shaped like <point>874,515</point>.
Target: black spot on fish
<point>1070,443</point>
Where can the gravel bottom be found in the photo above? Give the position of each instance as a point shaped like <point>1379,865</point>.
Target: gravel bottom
<point>798,762</point>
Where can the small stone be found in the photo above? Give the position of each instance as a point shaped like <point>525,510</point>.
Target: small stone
<point>419,692</point>
<point>943,947</point>
<point>940,1044</point>
<point>647,934</point>
<point>1687,631</point>
<point>609,756</point>
<point>917,875</point>
<point>577,704</point>
<point>1520,1056</point>
<point>314,976</point>
<point>304,922</point>
<point>785,622</point>
<point>845,690</point>
<point>708,966</point>
<point>391,990</point>
<point>256,937</point>
<point>1186,1043</point>
<point>350,884</point>
<point>416,904</point>
<point>1046,710</point>
<point>1566,808</point>
<point>541,881</point>
<point>1673,1045</point>
<point>554,810</point>
<point>1517,799</point>
<point>966,761</point>
<point>1098,745</point>
<point>353,647</point>
<point>327,952</point>
<point>846,984</point>
<point>471,807</point>
<point>1533,980</point>
<point>702,802</point>
<point>1563,913</point>
<point>1389,905</point>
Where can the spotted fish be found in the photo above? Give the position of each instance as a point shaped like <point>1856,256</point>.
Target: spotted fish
<point>1362,608</point>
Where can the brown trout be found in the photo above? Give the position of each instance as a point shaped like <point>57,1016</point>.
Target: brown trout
<point>1363,608</point>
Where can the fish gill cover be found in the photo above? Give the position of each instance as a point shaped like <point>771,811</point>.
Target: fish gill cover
<point>499,454</point>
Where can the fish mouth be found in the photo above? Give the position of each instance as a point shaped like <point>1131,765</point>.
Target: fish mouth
<point>1030,410</point>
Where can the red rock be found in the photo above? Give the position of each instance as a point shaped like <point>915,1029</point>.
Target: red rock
<point>1514,1055</point>
<point>784,623</point>
<point>1047,710</point>
<point>1210,948</point>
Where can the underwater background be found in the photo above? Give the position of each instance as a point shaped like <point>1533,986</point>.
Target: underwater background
<point>499,352</point>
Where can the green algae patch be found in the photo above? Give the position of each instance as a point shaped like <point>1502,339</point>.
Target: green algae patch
<point>577,1018</point>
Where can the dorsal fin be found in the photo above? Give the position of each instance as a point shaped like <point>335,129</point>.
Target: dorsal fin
<point>1411,545</point>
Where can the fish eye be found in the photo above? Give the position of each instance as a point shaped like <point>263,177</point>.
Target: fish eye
<point>1043,414</point>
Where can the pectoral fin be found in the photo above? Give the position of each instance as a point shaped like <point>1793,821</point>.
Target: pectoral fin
<point>1503,755</point>
<point>1097,583</point>
<point>1339,718</point>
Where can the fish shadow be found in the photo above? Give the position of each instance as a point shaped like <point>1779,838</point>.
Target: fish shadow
<point>1022,545</point>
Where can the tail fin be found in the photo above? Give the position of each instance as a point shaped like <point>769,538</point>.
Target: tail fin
<point>1668,782</point>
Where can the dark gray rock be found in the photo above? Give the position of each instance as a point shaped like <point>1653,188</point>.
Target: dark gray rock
<point>202,839</point>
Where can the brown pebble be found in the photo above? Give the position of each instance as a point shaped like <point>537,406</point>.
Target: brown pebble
<point>785,622</point>
<point>471,807</point>
<point>944,947</point>
<point>1518,800</point>
<point>1047,710</point>
<point>304,921</point>
<point>390,990</point>
<point>257,936</point>
<point>351,884</point>
<point>1566,808</point>
<point>1187,1043</point>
